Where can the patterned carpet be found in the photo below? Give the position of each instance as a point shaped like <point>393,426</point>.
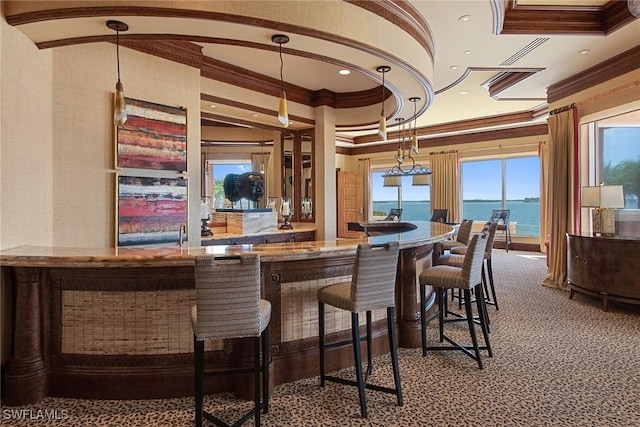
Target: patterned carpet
<point>557,362</point>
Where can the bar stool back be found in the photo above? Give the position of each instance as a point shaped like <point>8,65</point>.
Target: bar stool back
<point>372,287</point>
<point>462,238</point>
<point>228,305</point>
<point>444,277</point>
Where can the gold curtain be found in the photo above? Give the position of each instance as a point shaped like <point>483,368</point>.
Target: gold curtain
<point>365,171</point>
<point>260,162</point>
<point>559,193</point>
<point>543,154</point>
<point>445,183</point>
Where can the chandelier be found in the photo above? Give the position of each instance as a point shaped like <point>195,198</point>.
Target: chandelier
<point>406,164</point>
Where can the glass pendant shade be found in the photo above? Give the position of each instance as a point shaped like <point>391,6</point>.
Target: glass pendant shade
<point>283,115</point>
<point>382,128</point>
<point>421,179</point>
<point>414,143</point>
<point>119,109</point>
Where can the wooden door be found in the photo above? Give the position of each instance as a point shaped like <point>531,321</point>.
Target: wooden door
<point>350,202</point>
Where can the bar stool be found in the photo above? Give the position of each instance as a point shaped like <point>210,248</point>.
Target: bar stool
<point>228,305</point>
<point>498,215</point>
<point>457,257</point>
<point>462,238</point>
<point>372,287</point>
<point>444,277</point>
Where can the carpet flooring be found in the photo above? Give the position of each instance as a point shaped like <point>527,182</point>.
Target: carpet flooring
<point>557,362</point>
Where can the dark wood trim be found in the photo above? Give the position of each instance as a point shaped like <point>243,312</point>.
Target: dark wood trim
<point>618,65</point>
<point>465,138</point>
<point>458,126</point>
<point>507,79</point>
<point>563,19</point>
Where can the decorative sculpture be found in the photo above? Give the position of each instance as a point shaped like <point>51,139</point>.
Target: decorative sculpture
<point>249,185</point>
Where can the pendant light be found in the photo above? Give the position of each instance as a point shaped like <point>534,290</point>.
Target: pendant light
<point>283,116</point>
<point>382,128</point>
<point>119,107</point>
<point>414,137</point>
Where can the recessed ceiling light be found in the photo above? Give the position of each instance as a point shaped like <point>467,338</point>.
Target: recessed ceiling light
<point>464,18</point>
<point>467,52</point>
<point>453,67</point>
<point>464,92</point>
<point>585,51</point>
<point>344,72</point>
<point>212,106</point>
<point>254,115</point>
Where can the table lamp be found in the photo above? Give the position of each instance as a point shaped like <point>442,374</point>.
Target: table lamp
<point>604,198</point>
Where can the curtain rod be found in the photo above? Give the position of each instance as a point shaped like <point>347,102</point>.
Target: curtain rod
<point>562,109</point>
<point>500,147</point>
<point>443,152</point>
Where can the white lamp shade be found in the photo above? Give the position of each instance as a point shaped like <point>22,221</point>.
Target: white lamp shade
<point>382,128</point>
<point>119,107</point>
<point>603,196</point>
<point>391,181</point>
<point>283,115</point>
<point>421,179</point>
<point>414,143</point>
<point>611,196</point>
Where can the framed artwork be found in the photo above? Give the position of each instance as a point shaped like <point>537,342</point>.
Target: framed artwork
<point>153,137</point>
<point>150,210</point>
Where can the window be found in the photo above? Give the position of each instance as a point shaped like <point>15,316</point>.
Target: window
<point>614,159</point>
<point>618,148</point>
<point>512,184</point>
<point>414,200</point>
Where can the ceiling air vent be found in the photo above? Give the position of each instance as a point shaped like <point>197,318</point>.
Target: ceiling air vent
<point>524,51</point>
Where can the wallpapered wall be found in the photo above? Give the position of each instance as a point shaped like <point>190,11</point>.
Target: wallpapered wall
<point>58,176</point>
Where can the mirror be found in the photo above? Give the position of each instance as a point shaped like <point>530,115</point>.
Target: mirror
<point>288,166</point>
<point>297,173</point>
<point>306,181</point>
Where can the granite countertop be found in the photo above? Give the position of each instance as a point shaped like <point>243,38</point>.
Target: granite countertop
<point>63,257</point>
<point>298,227</point>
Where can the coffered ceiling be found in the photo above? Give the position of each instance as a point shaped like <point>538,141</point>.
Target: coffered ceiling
<point>475,64</point>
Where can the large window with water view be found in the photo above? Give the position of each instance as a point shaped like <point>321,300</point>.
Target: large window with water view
<point>512,184</point>
<point>413,200</point>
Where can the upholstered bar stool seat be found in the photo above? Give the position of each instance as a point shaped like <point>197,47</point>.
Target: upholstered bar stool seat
<point>372,287</point>
<point>228,305</point>
<point>468,277</point>
<point>462,238</point>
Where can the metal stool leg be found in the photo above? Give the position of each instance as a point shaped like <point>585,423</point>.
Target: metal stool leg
<point>393,346</point>
<point>198,356</point>
<point>321,338</point>
<point>355,332</point>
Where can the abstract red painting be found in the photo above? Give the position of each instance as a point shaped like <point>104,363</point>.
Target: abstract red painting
<point>153,137</point>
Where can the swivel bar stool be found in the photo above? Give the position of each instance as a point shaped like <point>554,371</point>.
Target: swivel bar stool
<point>372,287</point>
<point>228,305</point>
<point>444,277</point>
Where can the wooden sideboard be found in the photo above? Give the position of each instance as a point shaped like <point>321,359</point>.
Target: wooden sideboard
<point>606,268</point>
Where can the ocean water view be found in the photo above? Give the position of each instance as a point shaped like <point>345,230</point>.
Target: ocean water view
<point>525,214</point>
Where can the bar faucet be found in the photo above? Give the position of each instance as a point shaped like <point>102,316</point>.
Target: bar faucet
<point>183,229</point>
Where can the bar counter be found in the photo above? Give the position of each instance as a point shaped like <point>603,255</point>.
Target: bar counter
<point>113,323</point>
